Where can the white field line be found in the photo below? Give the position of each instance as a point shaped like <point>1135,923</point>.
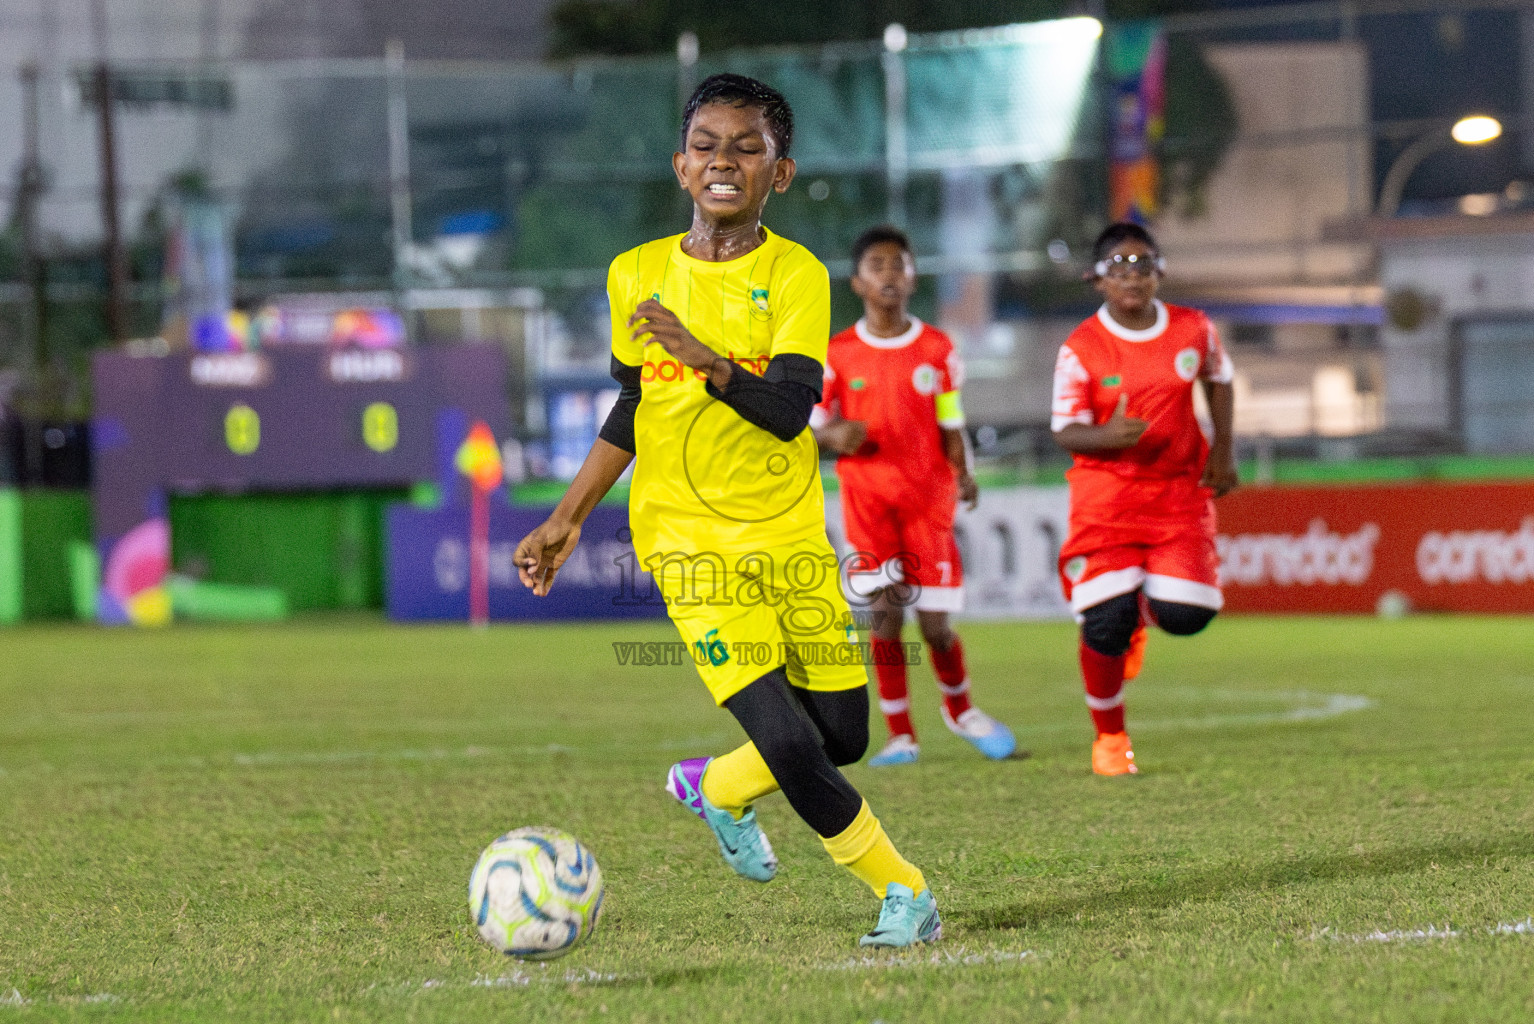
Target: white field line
<point>1307,707</point>
<point>1310,707</point>
<point>1524,927</point>
<point>15,998</point>
<point>524,976</point>
<point>519,977</point>
<point>937,958</point>
<point>1431,932</point>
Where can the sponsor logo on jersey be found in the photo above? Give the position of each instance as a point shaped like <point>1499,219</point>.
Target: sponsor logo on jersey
<point>1076,568</point>
<point>759,305</point>
<point>1113,381</point>
<point>924,379</point>
<point>713,648</point>
<point>669,371</point>
<point>1186,363</point>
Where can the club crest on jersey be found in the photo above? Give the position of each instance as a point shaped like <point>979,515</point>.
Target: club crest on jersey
<point>1076,568</point>
<point>857,383</point>
<point>759,306</point>
<point>924,379</point>
<point>1113,381</point>
<point>1186,363</point>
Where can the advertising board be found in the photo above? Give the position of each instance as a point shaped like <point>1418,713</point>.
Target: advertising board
<point>1460,547</point>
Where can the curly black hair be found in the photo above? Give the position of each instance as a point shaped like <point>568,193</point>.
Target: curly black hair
<point>740,91</point>
<point>873,236</point>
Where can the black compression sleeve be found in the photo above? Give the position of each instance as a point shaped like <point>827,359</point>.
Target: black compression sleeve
<point>618,430</point>
<point>774,715</point>
<point>780,400</point>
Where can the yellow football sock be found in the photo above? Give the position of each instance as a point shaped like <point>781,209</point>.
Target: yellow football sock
<point>867,852</point>
<point>736,780</point>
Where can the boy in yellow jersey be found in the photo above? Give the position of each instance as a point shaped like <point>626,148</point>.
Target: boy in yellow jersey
<point>719,343</point>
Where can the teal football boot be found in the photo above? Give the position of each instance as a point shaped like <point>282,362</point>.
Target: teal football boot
<point>742,843</point>
<point>905,920</point>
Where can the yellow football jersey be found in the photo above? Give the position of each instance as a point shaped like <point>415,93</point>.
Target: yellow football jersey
<point>705,480</point>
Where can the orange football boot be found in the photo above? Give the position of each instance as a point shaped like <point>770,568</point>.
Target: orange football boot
<point>1134,661</point>
<point>1111,755</point>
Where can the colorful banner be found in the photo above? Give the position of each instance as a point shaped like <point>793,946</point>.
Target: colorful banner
<point>1137,74</point>
<point>1388,548</point>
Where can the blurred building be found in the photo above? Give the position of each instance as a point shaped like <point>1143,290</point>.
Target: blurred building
<point>1298,309</point>
<point>63,37</point>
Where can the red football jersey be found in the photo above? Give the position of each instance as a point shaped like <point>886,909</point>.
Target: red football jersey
<point>1156,368</point>
<point>905,389</point>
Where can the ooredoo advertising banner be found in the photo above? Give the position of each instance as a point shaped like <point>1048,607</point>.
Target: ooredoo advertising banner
<point>1431,547</point>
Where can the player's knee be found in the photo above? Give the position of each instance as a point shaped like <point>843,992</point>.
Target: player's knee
<point>790,743</point>
<point>939,637</point>
<point>1181,619</point>
<point>848,744</point>
<point>1108,626</point>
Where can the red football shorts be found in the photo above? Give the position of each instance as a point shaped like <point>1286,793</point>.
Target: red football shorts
<point>908,545</point>
<point>1163,547</point>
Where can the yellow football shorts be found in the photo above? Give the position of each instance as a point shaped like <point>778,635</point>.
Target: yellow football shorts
<point>741,616</point>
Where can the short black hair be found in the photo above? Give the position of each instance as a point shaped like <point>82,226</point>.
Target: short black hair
<point>873,236</point>
<point>1123,231</point>
<point>740,91</point>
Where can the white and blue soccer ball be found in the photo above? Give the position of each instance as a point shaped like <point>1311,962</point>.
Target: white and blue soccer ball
<point>536,893</point>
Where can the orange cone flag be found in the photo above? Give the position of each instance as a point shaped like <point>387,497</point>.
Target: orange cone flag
<point>479,459</point>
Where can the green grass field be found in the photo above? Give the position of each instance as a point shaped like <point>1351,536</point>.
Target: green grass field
<point>1336,822</point>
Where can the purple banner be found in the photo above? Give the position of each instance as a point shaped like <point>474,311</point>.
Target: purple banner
<point>428,575</point>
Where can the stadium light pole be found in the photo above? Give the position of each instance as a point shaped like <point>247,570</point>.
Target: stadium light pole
<point>116,265</point>
<point>1474,130</point>
<point>402,232</point>
<point>896,160</point>
<point>686,67</point>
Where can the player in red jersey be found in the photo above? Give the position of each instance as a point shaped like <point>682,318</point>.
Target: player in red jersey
<point>891,410</point>
<point>1142,528</point>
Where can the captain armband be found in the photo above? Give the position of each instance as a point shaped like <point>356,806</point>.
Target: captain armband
<point>950,410</point>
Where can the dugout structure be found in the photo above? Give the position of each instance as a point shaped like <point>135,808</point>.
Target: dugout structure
<point>278,421</point>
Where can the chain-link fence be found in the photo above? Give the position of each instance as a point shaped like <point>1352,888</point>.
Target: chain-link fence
<point>485,200</point>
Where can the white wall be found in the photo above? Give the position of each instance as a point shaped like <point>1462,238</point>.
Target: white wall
<point>1301,159</point>
<point>1459,275</point>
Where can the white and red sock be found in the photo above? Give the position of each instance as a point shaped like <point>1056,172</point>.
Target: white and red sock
<point>952,677</point>
<point>1103,675</point>
<point>894,696</point>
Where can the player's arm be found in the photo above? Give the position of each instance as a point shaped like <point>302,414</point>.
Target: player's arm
<point>1117,432</point>
<point>956,451</point>
<point>832,432</point>
<point>1220,394</point>
<point>1072,422</point>
<point>779,401</point>
<point>842,437</point>
<point>948,407</point>
<point>541,553</point>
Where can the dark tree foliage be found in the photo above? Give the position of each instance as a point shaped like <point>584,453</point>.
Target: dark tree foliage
<point>651,26</point>
<point>1200,117</point>
<point>1201,123</point>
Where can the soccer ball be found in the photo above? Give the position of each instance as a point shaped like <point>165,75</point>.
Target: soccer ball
<point>536,893</point>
